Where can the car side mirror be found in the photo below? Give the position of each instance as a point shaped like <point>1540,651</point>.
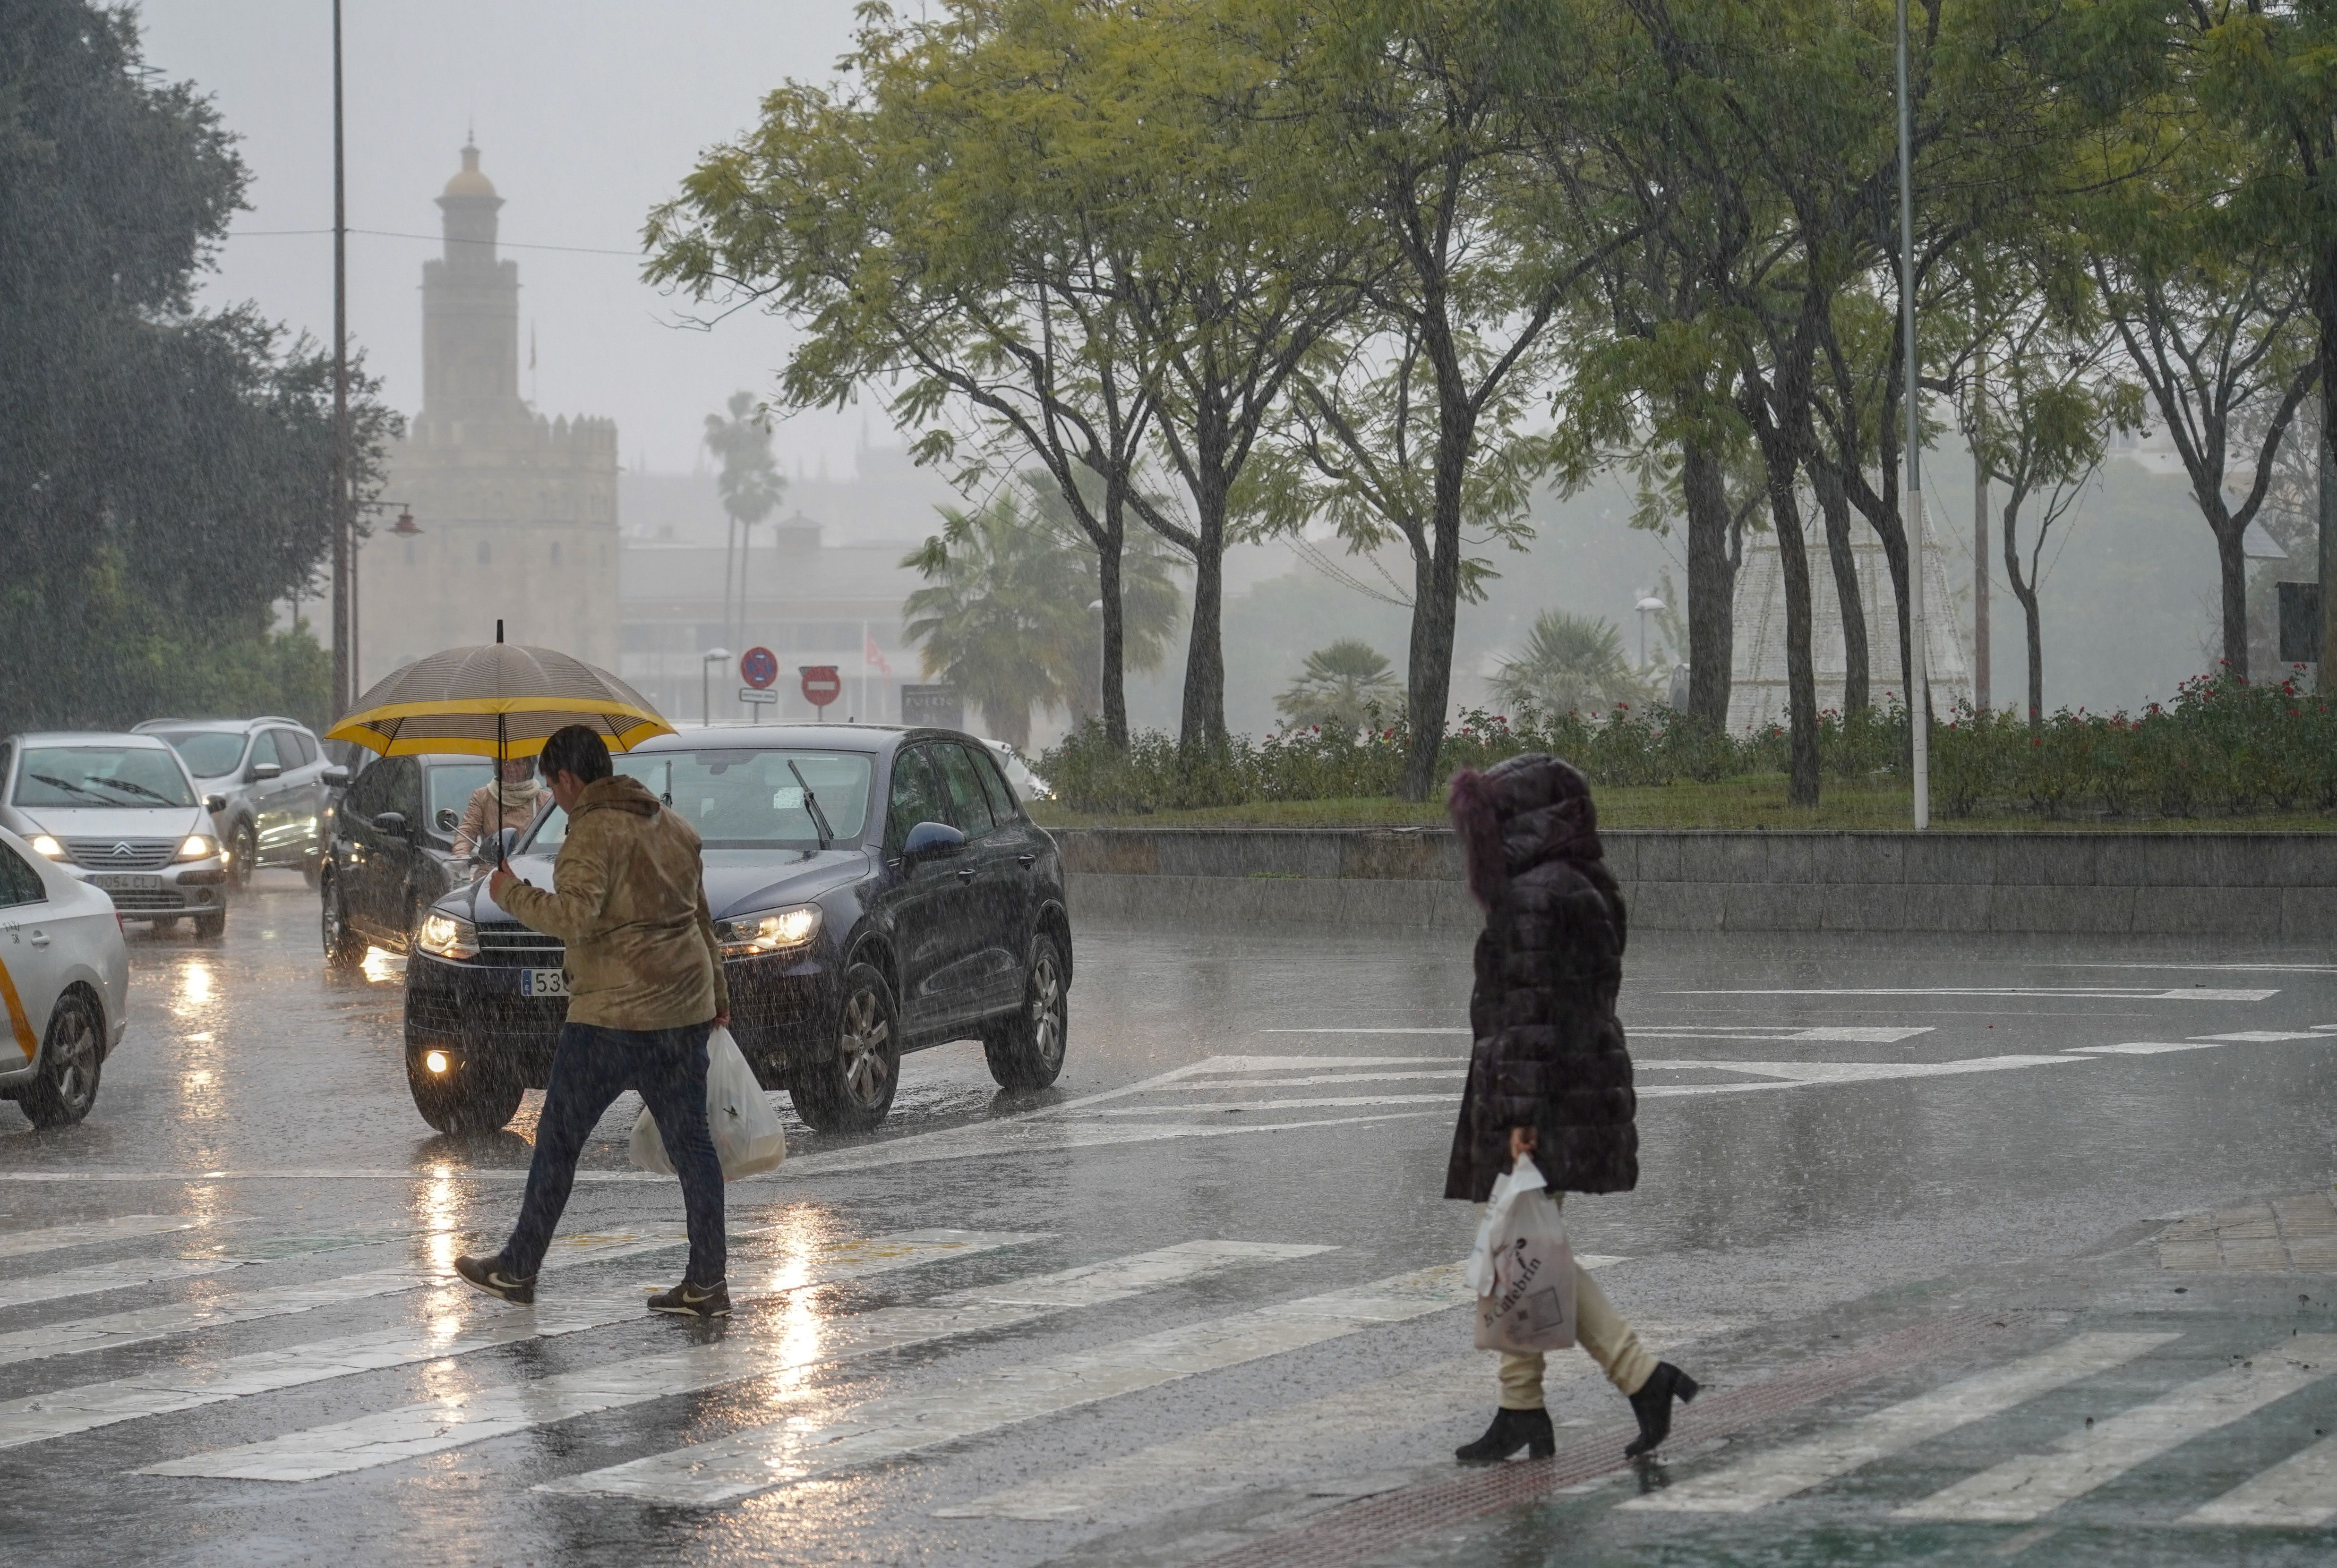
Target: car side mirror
<point>495,848</point>
<point>446,820</point>
<point>335,778</point>
<point>261,772</point>
<point>390,822</point>
<point>931,842</point>
<point>215,803</point>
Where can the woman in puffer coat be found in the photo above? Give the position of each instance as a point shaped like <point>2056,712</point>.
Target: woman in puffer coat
<point>1549,1074</point>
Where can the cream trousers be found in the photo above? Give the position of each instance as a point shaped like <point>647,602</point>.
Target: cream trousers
<point>1603,1335</point>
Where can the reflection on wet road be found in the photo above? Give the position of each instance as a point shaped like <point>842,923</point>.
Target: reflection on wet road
<point>1901,1208</point>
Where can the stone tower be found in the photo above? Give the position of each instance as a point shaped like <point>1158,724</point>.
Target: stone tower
<point>518,513</point>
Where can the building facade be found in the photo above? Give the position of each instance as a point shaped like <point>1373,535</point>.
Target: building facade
<point>517,512</point>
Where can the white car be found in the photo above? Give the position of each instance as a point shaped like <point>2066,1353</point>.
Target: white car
<point>123,809</point>
<point>64,980</point>
<point>1027,785</point>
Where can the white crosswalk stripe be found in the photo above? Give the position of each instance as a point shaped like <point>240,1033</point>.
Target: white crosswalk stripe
<point>104,1332</point>
<point>450,1423</point>
<point>1782,1472</point>
<point>92,1278</point>
<point>708,1474</point>
<point>123,1227</point>
<point>458,1322</point>
<point>2300,1493</point>
<point>2032,1485</point>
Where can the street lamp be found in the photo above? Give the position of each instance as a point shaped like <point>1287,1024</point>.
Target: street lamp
<point>706,663</point>
<point>1647,606</point>
<point>1919,676</point>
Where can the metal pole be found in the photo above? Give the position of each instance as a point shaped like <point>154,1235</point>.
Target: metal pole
<point>344,594</point>
<point>1980,536</point>
<point>1918,679</point>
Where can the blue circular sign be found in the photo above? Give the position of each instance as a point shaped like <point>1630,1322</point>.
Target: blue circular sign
<point>758,667</point>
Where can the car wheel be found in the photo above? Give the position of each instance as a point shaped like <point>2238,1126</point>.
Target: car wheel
<point>212,927</point>
<point>1026,1051</point>
<point>344,949</point>
<point>64,1086</point>
<point>467,1098</point>
<point>851,1091</point>
<point>244,856</point>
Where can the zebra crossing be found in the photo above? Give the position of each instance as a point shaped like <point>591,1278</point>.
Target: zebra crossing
<point>2142,1380</point>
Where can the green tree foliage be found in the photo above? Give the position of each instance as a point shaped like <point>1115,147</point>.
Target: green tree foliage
<point>1346,687</point>
<point>1009,612</point>
<point>163,472</point>
<point>1570,664</point>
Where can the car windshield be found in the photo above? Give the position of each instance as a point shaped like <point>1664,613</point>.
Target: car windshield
<point>452,786</point>
<point>748,800</point>
<point>101,775</point>
<point>208,753</point>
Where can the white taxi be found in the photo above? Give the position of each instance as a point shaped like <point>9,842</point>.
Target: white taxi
<point>64,984</point>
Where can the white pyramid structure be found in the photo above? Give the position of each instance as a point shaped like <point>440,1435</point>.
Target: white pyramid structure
<point>1757,693</point>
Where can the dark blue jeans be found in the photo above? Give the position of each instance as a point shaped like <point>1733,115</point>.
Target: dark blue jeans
<point>593,1066</point>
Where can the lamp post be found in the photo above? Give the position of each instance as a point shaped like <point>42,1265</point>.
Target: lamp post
<point>1919,676</point>
<point>706,663</point>
<point>344,522</point>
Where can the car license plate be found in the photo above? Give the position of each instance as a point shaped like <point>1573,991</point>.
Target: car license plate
<point>543,982</point>
<point>125,883</point>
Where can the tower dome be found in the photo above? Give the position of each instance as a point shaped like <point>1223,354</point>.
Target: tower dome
<point>468,181</point>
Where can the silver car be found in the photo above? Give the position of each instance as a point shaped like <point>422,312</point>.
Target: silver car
<point>67,979</point>
<point>271,774</point>
<point>124,810</point>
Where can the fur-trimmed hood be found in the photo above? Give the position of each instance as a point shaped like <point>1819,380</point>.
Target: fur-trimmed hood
<point>1518,814</point>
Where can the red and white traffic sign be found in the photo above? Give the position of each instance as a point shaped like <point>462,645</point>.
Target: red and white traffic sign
<point>821,684</point>
<point>758,667</point>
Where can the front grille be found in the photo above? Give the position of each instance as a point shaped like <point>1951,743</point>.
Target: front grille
<point>138,854</point>
<point>131,903</point>
<point>519,945</point>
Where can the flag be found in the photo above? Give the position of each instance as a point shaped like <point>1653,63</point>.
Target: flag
<point>870,656</point>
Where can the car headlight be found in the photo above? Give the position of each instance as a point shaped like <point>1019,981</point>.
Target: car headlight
<point>775,932</point>
<point>199,847</point>
<point>448,937</point>
<point>45,845</point>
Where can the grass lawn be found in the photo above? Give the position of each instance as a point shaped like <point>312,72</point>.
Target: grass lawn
<point>1757,802</point>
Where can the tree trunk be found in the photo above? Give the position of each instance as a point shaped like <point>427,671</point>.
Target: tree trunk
<point>1436,605</point>
<point>1009,722</point>
<point>2024,588</point>
<point>1711,586</point>
<point>1801,679</point>
<point>2325,311</point>
<point>2232,567</point>
<point>1112,682</point>
<point>1834,506</point>
<point>1202,726</point>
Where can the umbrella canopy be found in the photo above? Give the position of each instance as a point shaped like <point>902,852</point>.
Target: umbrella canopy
<point>499,699</point>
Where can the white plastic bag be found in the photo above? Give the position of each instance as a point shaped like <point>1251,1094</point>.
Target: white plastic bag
<point>1522,1267</point>
<point>747,1137</point>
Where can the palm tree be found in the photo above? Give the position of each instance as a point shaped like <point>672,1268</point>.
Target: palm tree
<point>1570,664</point>
<point>750,484</point>
<point>1004,616</point>
<point>1344,687</point>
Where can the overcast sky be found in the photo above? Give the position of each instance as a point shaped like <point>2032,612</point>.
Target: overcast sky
<point>588,112</point>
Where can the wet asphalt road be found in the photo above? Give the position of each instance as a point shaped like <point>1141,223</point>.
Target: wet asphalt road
<point>1186,1304</point>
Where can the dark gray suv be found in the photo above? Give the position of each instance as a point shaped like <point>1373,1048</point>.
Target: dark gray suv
<point>271,774</point>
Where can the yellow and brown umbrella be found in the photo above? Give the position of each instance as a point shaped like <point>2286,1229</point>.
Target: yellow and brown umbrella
<point>499,700</point>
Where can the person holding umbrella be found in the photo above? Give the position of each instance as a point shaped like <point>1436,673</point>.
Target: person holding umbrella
<point>645,989</point>
<point>645,980</point>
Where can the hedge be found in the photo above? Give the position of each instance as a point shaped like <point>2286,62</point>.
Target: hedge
<point>2223,746</point>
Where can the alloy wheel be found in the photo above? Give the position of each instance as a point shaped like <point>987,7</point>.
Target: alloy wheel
<point>866,1033</point>
<point>1047,1012</point>
<point>73,1061</point>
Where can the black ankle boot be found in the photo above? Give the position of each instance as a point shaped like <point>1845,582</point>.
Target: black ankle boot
<point>1653,1406</point>
<point>1511,1431</point>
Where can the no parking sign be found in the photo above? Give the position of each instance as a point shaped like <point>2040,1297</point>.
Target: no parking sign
<point>758,667</point>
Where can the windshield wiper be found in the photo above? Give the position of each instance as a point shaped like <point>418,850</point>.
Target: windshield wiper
<point>811,803</point>
<point>124,784</point>
<point>55,782</point>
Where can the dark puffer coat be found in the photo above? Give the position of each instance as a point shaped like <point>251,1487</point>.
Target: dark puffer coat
<point>1549,1050</point>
